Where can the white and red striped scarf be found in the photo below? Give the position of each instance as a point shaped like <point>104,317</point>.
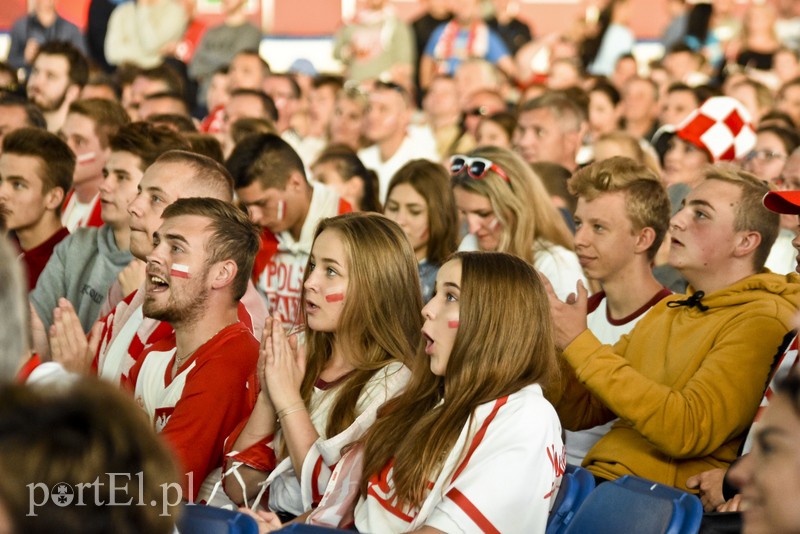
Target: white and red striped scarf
<point>477,42</point>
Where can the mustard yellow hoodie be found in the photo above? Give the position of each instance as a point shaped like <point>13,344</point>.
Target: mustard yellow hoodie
<point>685,383</point>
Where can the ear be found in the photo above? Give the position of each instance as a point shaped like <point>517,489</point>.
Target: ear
<point>573,139</point>
<point>53,198</point>
<point>223,274</point>
<point>296,182</point>
<point>746,244</point>
<point>72,94</point>
<point>644,240</point>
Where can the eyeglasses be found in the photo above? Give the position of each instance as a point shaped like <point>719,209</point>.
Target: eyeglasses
<point>476,167</point>
<point>766,155</point>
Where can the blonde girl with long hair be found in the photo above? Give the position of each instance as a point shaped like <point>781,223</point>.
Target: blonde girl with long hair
<point>506,208</point>
<point>362,325</point>
<point>471,444</point>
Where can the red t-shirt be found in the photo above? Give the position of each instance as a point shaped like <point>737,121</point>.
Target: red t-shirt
<point>36,258</point>
<point>198,408</point>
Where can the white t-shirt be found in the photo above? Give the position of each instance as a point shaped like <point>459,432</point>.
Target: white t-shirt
<point>502,475</point>
<point>558,264</point>
<point>75,213</point>
<point>413,147</point>
<point>782,257</point>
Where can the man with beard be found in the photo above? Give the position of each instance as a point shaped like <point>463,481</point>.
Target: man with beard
<point>85,264</point>
<point>198,389</point>
<point>59,73</point>
<point>126,333</point>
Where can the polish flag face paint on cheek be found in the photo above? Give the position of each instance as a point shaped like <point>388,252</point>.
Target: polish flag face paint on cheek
<point>281,209</point>
<point>334,297</point>
<point>453,324</point>
<point>89,157</point>
<point>179,270</point>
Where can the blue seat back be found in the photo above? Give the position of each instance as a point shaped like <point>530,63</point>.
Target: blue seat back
<point>576,484</point>
<point>200,519</point>
<point>633,504</point>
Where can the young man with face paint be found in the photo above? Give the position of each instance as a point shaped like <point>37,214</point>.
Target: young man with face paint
<point>89,126</point>
<point>271,182</point>
<point>687,380</point>
<point>84,265</point>
<point>621,219</point>
<point>197,389</point>
<point>125,333</point>
<point>35,173</point>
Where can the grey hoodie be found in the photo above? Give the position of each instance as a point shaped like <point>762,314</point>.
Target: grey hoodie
<point>82,268</point>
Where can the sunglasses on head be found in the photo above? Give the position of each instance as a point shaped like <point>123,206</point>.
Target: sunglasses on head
<point>475,167</point>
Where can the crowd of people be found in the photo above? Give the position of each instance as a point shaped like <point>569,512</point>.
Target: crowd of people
<point>404,297</point>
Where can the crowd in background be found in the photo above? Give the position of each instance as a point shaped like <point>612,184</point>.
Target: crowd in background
<point>406,295</point>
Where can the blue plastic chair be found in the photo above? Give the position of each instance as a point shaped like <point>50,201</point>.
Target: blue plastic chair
<point>200,519</point>
<point>633,504</point>
<point>576,484</point>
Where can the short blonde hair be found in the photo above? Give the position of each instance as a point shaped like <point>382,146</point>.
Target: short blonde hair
<point>646,201</point>
<point>751,215</point>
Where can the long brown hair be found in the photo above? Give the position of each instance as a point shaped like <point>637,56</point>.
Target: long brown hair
<point>381,321</point>
<point>523,205</point>
<point>432,182</point>
<point>504,343</point>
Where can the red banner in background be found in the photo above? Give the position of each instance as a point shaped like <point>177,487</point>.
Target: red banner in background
<point>11,11</point>
<point>291,17</point>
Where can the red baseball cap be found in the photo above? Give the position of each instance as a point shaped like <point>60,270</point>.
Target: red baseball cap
<point>783,202</point>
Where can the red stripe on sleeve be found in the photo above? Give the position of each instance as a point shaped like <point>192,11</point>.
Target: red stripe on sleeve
<point>316,495</point>
<point>480,434</point>
<point>472,511</point>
